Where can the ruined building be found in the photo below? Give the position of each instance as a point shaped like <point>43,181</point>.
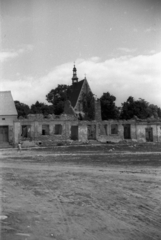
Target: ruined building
<point>37,129</point>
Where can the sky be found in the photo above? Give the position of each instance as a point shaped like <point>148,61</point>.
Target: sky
<point>116,43</point>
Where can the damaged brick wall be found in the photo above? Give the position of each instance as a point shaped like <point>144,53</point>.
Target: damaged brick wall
<point>17,132</point>
<point>114,130</point>
<point>51,131</point>
<point>63,129</point>
<point>98,116</point>
<point>159,132</point>
<point>83,133</point>
<point>144,134</point>
<point>43,130</point>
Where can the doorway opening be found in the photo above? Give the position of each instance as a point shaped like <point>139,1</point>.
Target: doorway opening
<point>74,132</point>
<point>91,132</point>
<point>149,134</point>
<point>3,134</point>
<point>127,131</point>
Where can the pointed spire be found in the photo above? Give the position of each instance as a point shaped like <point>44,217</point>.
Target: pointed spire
<point>74,78</point>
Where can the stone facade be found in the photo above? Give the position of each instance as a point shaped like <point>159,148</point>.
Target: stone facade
<point>140,131</point>
<point>67,128</point>
<point>98,110</point>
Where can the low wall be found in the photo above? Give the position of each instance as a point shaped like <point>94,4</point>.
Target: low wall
<point>141,131</point>
<point>104,130</point>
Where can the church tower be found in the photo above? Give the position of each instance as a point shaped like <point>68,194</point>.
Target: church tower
<point>74,78</point>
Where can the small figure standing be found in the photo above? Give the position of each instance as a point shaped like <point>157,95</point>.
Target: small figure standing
<point>19,147</point>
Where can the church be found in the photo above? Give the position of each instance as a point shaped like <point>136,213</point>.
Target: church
<point>78,88</point>
<point>74,103</point>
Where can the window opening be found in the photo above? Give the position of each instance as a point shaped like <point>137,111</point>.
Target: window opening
<point>114,129</point>
<point>58,129</point>
<point>45,129</point>
<point>26,131</point>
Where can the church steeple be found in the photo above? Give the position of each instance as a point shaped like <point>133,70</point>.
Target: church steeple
<point>74,78</point>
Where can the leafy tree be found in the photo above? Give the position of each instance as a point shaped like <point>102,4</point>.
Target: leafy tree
<point>58,96</point>
<point>22,109</point>
<point>108,108</point>
<point>139,108</point>
<point>88,105</point>
<point>159,112</point>
<point>154,111</point>
<point>134,108</point>
<point>42,108</point>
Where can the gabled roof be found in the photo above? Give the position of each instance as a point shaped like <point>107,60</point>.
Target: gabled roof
<point>7,106</point>
<point>76,88</point>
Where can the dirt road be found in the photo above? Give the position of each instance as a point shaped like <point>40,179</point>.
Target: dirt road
<point>89,194</point>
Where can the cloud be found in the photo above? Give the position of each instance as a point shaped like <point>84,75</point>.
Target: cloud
<point>95,59</point>
<point>4,56</point>
<point>28,47</point>
<point>124,76</point>
<point>10,54</point>
<point>127,50</point>
<point>150,29</point>
<point>152,51</point>
<point>135,30</point>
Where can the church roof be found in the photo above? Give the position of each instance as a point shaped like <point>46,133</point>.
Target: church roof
<point>76,88</point>
<point>7,106</point>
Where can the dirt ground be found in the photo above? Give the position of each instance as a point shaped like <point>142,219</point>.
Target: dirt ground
<point>106,192</point>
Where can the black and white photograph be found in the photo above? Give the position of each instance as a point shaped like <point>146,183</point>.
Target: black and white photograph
<point>80,119</point>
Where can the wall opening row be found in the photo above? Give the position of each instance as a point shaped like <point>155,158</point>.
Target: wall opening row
<point>91,131</point>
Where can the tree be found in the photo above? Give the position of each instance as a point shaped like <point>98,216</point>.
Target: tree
<point>41,108</point>
<point>88,105</point>
<point>134,108</point>
<point>22,109</point>
<point>154,111</point>
<point>108,108</point>
<point>58,96</point>
<point>159,112</point>
<point>139,108</point>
